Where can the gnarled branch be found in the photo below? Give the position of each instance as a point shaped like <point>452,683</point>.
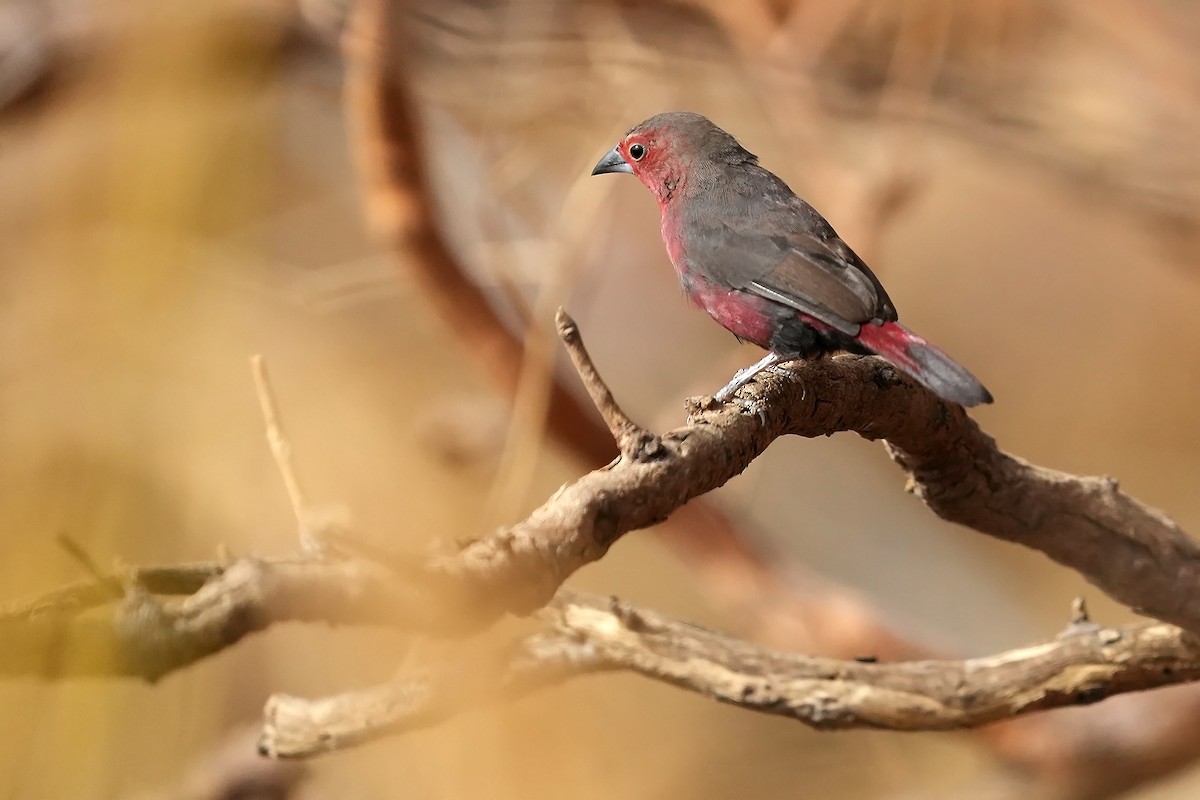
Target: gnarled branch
<point>1136,554</point>
<point>590,634</point>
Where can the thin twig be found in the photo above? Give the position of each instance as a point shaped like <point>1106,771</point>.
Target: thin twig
<point>307,523</point>
<point>281,447</point>
<point>634,441</point>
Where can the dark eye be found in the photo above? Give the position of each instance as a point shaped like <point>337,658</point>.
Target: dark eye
<point>637,151</point>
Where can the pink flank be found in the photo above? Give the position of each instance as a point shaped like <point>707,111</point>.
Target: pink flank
<point>894,342</point>
<point>746,316</point>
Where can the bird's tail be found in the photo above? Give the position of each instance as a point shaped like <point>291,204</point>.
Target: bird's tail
<point>930,366</point>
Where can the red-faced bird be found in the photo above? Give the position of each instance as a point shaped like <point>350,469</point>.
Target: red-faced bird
<point>763,263</point>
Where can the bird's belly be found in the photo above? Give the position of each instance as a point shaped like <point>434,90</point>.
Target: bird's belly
<point>746,316</point>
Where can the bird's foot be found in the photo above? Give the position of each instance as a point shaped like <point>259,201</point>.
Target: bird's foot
<point>743,376</point>
<point>727,391</point>
<point>771,361</point>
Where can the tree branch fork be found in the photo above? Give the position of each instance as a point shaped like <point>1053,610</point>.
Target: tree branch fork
<point>170,617</point>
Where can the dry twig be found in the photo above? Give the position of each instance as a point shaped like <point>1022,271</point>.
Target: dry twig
<point>635,442</point>
<point>281,447</point>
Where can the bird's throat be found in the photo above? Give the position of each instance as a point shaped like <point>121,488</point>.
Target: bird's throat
<point>666,183</point>
<point>672,233</point>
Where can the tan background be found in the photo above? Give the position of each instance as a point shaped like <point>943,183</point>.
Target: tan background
<point>183,194</point>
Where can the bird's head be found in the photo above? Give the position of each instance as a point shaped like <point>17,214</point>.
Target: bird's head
<point>666,151</point>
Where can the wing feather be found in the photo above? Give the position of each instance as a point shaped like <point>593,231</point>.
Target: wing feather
<point>770,242</point>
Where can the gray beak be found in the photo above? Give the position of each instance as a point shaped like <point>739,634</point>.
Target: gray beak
<point>612,162</point>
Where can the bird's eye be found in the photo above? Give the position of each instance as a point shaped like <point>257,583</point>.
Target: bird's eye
<point>637,151</point>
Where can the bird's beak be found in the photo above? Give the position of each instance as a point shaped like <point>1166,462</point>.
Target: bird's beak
<point>612,162</point>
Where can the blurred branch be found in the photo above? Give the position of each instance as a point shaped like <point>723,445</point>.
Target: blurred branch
<point>1101,751</point>
<point>402,205</point>
<point>78,597</point>
<point>232,770</point>
<point>145,637</point>
<point>281,447</point>
<point>592,634</point>
<point>318,526</point>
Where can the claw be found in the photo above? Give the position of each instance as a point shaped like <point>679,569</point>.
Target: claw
<point>781,370</point>
<point>752,405</point>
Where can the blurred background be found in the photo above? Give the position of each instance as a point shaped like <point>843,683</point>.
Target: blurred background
<point>183,185</point>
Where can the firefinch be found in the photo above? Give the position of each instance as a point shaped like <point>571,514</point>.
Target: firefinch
<point>763,263</point>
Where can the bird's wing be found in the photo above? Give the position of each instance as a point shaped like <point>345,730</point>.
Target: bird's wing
<point>822,278</point>
<point>818,275</point>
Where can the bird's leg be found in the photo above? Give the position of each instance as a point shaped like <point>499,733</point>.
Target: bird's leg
<point>743,376</point>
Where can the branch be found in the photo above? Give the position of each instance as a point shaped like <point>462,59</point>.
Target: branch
<point>1136,554</point>
<point>78,597</point>
<point>634,441</point>
<point>591,634</point>
<point>296,727</point>
<point>145,637</point>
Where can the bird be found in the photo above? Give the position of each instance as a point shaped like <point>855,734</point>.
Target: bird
<point>764,263</point>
